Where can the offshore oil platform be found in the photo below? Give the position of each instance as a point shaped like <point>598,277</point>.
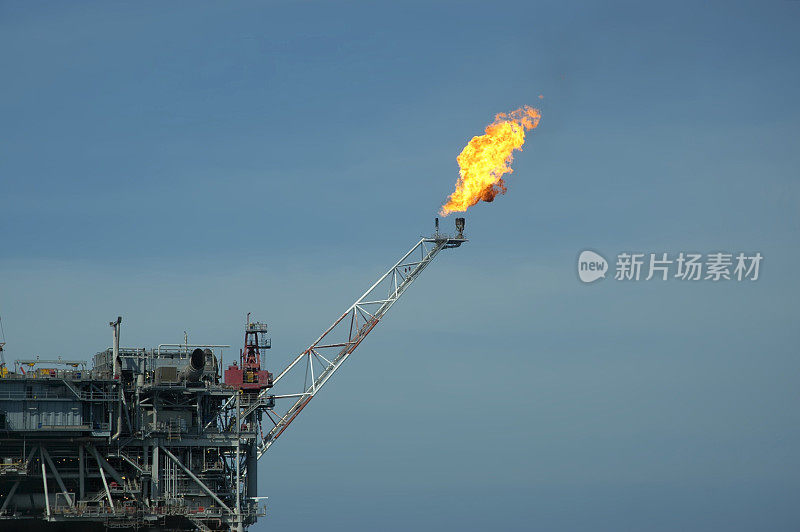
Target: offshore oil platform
<point>163,438</point>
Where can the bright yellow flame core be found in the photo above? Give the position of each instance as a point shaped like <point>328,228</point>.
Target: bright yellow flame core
<point>485,160</point>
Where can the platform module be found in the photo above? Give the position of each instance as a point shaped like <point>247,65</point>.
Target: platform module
<point>159,438</point>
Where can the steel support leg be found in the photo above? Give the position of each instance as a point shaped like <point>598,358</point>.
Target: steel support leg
<point>58,477</point>
<point>80,472</point>
<point>44,482</point>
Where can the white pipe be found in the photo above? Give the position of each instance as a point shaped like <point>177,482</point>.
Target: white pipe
<point>44,481</point>
<point>105,485</point>
<point>117,365</point>
<point>117,374</point>
<point>119,415</point>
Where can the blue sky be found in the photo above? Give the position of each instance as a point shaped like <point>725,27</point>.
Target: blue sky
<point>182,164</point>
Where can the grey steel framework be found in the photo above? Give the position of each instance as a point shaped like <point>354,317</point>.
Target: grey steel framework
<point>321,359</point>
<point>153,438</point>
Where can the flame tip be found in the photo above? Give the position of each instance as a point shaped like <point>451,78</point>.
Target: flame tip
<point>485,159</point>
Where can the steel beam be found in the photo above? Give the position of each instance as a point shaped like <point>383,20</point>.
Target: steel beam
<point>44,482</point>
<point>197,480</point>
<point>105,465</point>
<point>155,486</point>
<point>105,485</point>
<point>58,476</point>
<point>9,496</point>
<point>81,468</point>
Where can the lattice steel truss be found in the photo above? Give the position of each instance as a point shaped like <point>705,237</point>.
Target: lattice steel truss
<point>321,359</point>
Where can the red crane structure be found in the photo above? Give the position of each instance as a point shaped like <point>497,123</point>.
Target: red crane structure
<point>248,374</point>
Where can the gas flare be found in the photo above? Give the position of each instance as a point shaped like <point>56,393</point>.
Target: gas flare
<point>485,159</point>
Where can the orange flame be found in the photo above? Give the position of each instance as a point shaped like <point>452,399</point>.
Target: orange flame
<point>485,160</point>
